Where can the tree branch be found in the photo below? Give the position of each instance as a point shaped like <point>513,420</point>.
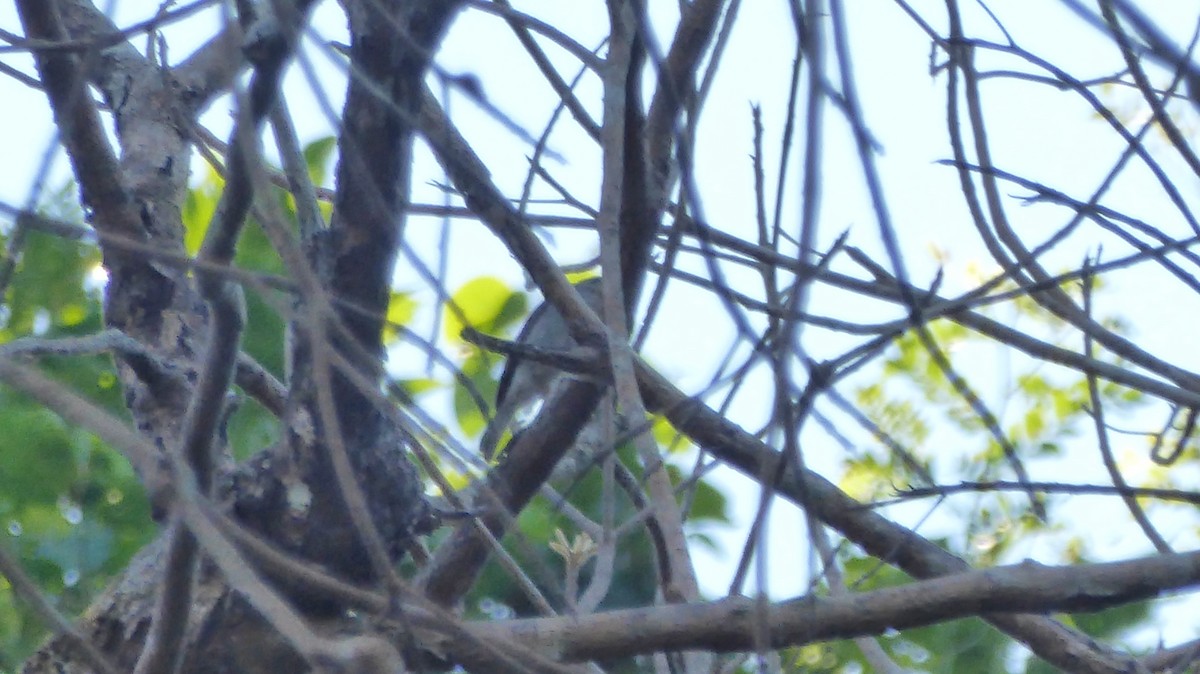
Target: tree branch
<point>730,624</point>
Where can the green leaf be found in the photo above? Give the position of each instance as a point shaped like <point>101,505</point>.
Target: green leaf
<point>866,478</point>
<point>50,284</point>
<point>1035,423</point>
<point>667,436</point>
<point>415,387</point>
<point>316,157</point>
<point>251,428</point>
<point>198,209</point>
<point>401,309</point>
<point>487,304</point>
<point>708,503</point>
<point>476,368</point>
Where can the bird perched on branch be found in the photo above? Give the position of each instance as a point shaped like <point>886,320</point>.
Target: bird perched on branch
<point>524,381</point>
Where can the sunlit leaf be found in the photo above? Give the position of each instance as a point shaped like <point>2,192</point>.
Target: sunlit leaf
<point>198,208</point>
<point>415,387</point>
<point>476,368</point>
<point>865,479</point>
<point>316,157</point>
<point>486,303</point>
<point>401,308</point>
<point>666,435</point>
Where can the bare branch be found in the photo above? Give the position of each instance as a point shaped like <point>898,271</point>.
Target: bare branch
<point>728,624</point>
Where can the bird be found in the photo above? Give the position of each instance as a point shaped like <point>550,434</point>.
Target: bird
<point>525,381</point>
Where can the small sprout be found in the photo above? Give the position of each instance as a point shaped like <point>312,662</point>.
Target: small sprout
<point>575,553</point>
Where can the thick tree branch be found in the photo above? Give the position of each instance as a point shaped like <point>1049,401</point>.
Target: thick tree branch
<point>731,624</point>
<point>94,163</point>
<point>676,74</point>
<point>205,418</point>
<point>621,222</point>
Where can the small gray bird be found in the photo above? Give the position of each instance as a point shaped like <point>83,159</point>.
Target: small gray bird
<point>524,381</point>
